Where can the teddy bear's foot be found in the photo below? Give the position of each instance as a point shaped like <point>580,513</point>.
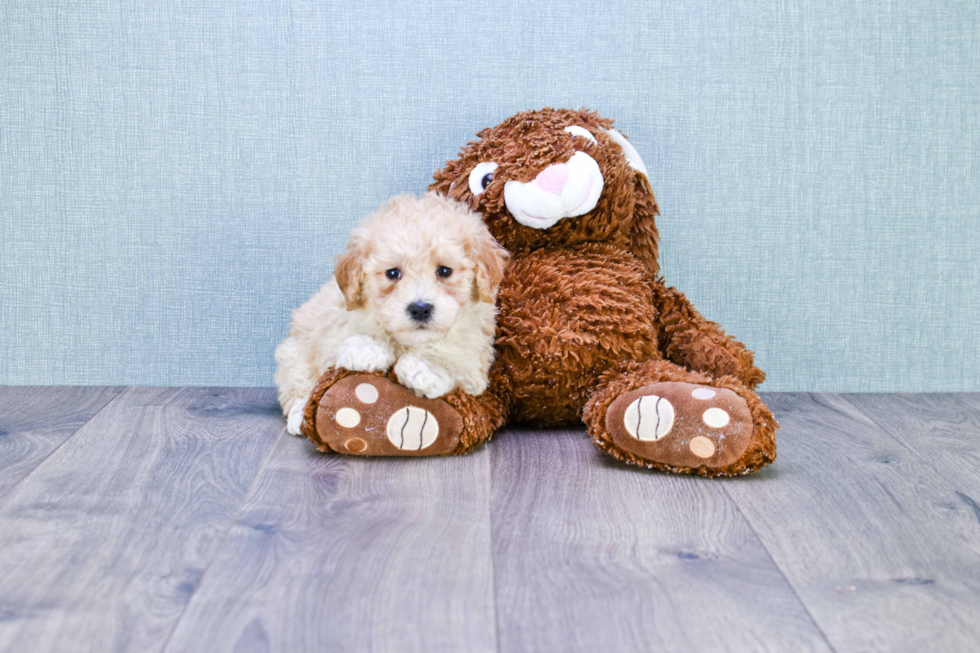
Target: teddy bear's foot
<point>369,415</point>
<point>681,425</point>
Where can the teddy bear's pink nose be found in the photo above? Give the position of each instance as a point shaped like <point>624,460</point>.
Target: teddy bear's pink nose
<point>553,178</point>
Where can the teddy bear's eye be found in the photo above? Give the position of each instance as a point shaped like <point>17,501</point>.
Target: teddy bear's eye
<point>481,176</point>
<point>575,130</point>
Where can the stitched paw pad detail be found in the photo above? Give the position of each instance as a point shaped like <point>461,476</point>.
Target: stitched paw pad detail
<point>649,418</point>
<point>681,424</point>
<point>369,415</point>
<point>412,428</point>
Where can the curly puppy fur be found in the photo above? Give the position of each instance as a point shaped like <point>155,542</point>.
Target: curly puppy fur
<point>584,315</point>
<point>362,319</point>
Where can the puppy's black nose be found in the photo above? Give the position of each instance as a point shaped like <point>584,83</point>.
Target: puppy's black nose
<point>421,312</point>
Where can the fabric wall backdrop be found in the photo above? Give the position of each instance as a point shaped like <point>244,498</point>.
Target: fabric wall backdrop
<point>176,175</point>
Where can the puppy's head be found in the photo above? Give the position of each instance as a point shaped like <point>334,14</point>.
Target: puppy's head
<point>417,262</point>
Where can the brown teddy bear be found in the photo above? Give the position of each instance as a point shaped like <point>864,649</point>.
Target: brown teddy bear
<point>587,329</point>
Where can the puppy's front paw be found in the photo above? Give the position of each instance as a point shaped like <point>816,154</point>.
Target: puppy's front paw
<point>423,378</point>
<point>474,385</point>
<point>365,354</point>
<point>295,419</point>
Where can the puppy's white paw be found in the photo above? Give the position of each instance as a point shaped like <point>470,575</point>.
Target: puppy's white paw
<point>295,418</point>
<point>474,386</point>
<point>365,354</point>
<point>423,378</point>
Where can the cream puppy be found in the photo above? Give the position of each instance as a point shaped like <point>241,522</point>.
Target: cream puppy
<point>416,289</point>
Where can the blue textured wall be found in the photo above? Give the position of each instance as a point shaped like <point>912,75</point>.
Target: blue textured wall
<point>176,175</point>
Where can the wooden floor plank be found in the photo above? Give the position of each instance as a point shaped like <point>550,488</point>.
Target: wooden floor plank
<point>103,544</point>
<point>872,513</point>
<point>875,541</point>
<point>34,421</point>
<point>592,555</point>
<point>970,399</point>
<point>943,429</point>
<point>333,553</point>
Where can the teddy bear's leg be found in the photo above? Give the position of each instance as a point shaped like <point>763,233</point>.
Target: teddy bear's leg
<point>694,342</point>
<point>660,415</point>
<point>371,414</point>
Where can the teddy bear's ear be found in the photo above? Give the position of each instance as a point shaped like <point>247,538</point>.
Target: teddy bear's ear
<point>445,179</point>
<point>644,238</point>
<point>632,156</point>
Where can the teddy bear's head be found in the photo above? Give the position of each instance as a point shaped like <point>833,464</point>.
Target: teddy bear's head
<point>556,177</point>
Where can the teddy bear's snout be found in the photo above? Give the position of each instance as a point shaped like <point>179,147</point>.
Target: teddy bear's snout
<point>553,178</point>
<point>562,190</point>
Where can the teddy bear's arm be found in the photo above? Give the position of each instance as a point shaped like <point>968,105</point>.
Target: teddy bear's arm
<point>688,339</point>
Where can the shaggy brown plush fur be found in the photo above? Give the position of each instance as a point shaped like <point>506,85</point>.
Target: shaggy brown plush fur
<point>584,315</point>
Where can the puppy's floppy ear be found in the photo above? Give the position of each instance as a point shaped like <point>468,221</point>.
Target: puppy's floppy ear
<point>349,272</point>
<point>491,263</point>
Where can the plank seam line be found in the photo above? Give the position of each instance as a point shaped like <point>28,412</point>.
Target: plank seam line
<point>878,425</point>
<point>902,444</point>
<point>775,564</point>
<point>224,538</point>
<point>969,501</point>
<point>493,557</point>
<point>112,400</point>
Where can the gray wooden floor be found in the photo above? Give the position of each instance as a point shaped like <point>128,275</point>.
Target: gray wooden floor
<point>185,519</point>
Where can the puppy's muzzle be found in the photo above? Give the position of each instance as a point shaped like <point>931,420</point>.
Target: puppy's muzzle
<point>420,312</point>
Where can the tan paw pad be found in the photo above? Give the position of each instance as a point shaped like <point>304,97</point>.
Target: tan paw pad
<point>366,393</point>
<point>355,445</point>
<point>348,418</point>
<point>702,447</point>
<point>716,418</point>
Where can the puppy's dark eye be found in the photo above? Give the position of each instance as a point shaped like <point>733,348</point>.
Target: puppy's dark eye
<point>394,274</point>
<point>487,178</point>
<point>442,270</point>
